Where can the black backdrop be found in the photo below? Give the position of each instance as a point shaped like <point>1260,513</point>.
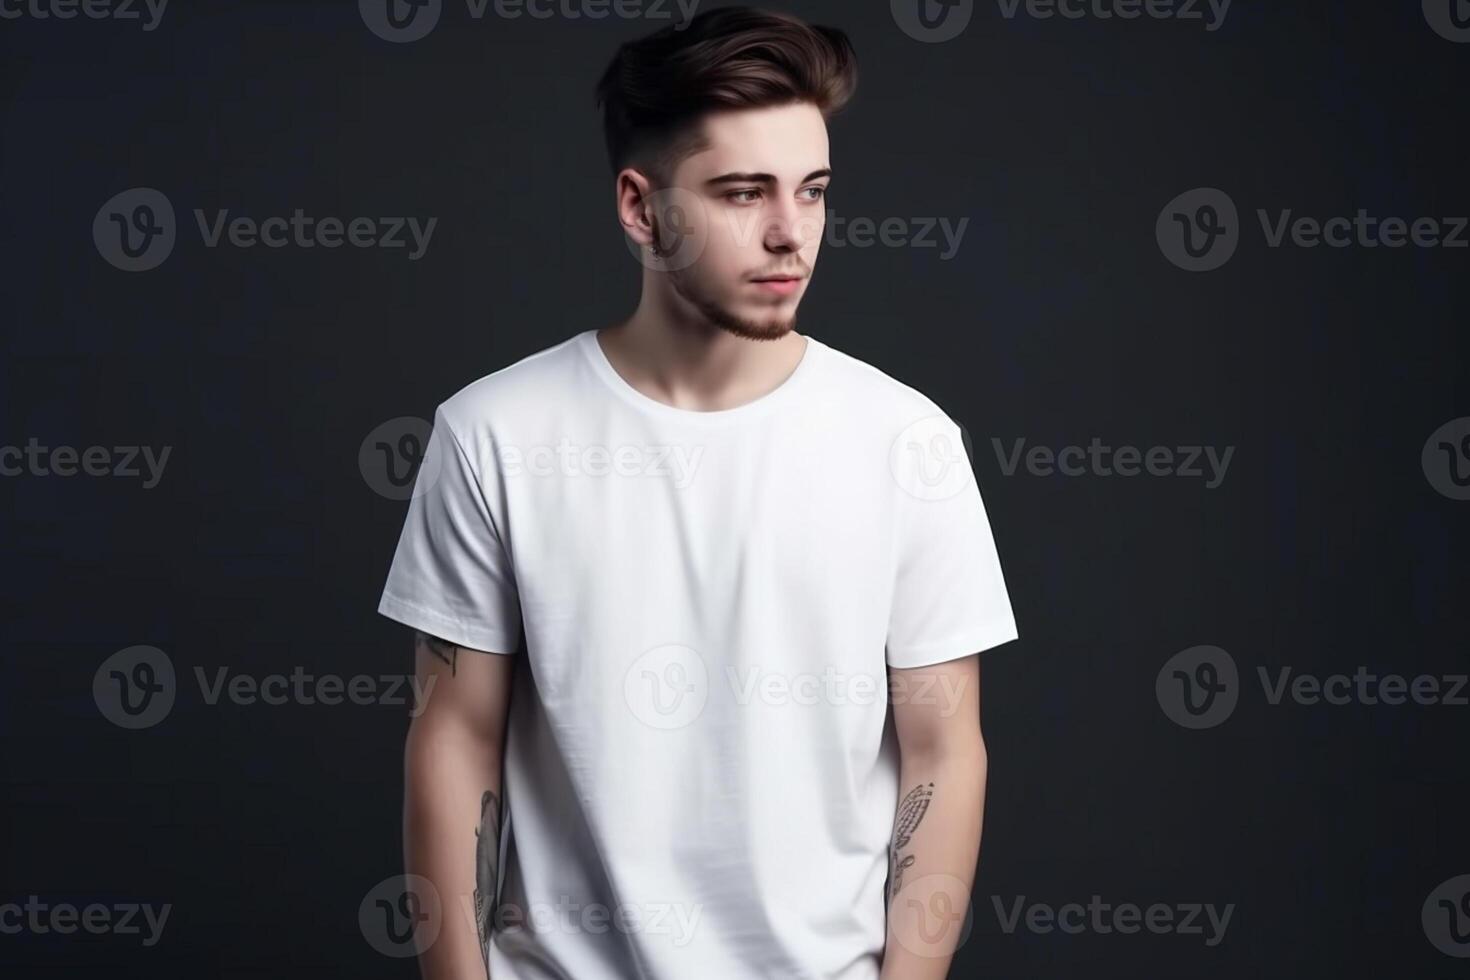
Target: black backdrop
<point>1069,311</point>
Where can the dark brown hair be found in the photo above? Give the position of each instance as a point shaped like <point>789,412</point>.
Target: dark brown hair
<point>657,87</point>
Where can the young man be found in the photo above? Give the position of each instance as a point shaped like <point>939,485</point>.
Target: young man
<point>701,597</point>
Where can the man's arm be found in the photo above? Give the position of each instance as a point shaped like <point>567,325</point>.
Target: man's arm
<point>452,791</point>
<point>936,830</point>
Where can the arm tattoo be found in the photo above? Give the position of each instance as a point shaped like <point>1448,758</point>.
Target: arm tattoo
<point>911,810</point>
<point>487,863</point>
<point>443,649</point>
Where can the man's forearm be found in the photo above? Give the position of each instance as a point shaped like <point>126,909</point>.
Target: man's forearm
<point>936,841</point>
<point>452,837</point>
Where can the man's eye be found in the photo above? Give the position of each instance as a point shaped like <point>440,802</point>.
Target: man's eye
<point>820,192</point>
<point>739,196</point>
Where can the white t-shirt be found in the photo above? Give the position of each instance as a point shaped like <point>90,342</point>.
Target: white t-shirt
<point>700,770</point>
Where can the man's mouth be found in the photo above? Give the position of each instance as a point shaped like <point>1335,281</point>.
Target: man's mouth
<point>781,285</point>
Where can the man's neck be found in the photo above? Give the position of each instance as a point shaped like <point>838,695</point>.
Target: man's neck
<point>698,366</point>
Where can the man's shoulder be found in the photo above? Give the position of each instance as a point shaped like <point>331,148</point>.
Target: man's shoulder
<point>520,389</point>
<point>875,392</point>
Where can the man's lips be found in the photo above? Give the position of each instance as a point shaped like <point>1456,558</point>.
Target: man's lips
<point>783,285</point>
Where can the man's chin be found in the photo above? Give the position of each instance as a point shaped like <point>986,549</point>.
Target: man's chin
<point>761,323</point>
<point>757,323</point>
<point>758,329</point>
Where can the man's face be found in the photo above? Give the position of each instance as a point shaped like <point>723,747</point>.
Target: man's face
<point>757,195</point>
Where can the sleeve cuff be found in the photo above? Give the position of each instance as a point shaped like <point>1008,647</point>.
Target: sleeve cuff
<point>487,639</point>
<point>975,641</point>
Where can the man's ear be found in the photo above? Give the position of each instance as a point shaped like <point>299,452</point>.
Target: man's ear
<point>633,191</point>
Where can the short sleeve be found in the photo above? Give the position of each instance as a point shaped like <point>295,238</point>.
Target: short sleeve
<point>451,576</point>
<point>949,596</point>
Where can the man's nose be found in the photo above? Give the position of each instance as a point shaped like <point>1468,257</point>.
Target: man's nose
<point>784,231</point>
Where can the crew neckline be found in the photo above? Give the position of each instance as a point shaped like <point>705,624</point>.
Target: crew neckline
<point>592,348</point>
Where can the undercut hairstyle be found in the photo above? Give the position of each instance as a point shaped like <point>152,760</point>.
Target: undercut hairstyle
<point>657,87</point>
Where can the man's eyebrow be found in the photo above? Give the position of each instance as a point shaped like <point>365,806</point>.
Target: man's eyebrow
<point>741,178</point>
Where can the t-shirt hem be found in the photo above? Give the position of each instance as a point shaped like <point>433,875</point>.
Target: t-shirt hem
<point>976,641</point>
<point>475,636</point>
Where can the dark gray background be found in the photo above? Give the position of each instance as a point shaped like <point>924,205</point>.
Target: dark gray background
<point>1060,319</point>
